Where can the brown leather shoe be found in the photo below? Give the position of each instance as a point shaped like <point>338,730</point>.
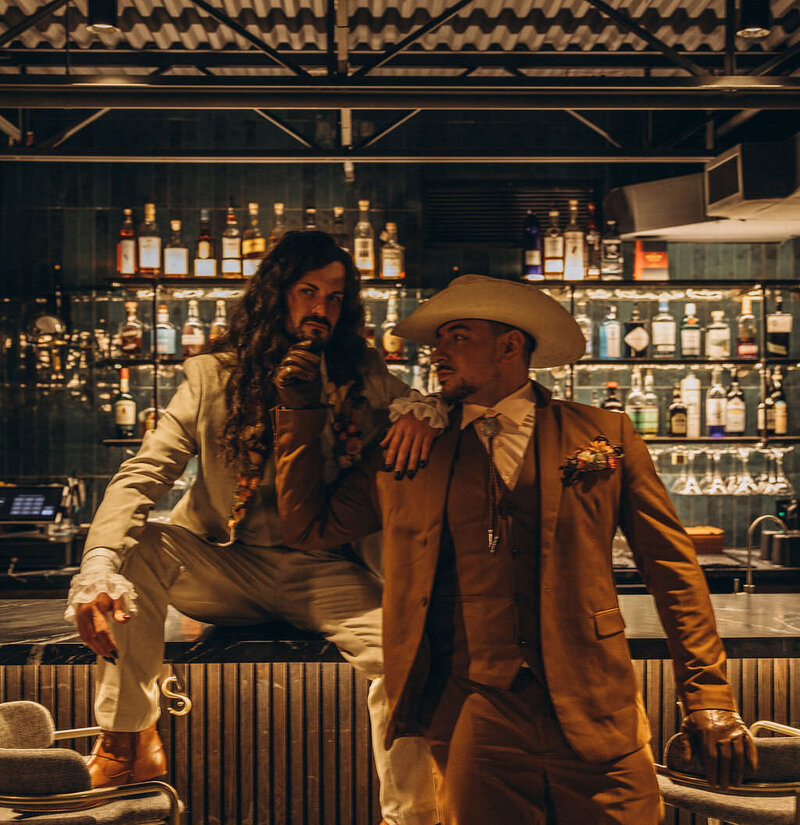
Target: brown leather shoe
<point>120,758</point>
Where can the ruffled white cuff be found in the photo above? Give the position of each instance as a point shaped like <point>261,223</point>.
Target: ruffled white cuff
<point>99,576</point>
<point>432,407</point>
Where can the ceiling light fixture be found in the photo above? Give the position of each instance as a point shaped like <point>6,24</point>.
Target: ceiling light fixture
<point>103,16</point>
<point>755,21</point>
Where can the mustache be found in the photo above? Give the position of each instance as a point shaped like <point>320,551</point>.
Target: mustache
<point>317,319</point>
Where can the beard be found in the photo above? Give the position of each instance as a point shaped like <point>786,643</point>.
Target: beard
<point>318,336</point>
<point>455,393</point>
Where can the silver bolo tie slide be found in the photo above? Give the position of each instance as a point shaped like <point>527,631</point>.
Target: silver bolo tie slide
<point>490,427</point>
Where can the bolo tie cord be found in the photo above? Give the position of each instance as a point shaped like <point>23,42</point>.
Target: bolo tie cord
<point>490,427</point>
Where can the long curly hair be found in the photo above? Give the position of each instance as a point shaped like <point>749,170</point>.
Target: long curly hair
<point>257,338</point>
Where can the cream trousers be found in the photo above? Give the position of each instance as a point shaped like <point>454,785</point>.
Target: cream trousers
<point>326,594</point>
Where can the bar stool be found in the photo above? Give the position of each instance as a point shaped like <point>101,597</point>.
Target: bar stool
<point>41,785</point>
<point>768,796</point>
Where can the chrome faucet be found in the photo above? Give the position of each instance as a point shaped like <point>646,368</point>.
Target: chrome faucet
<point>749,587</point>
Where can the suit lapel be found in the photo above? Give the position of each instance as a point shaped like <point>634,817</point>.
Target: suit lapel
<point>437,474</point>
<point>548,445</point>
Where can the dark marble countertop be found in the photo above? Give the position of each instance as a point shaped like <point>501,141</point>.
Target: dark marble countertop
<point>33,631</point>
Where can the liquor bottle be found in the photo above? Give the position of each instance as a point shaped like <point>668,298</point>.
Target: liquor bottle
<point>417,379</point>
<point>691,333</point>
<point>611,260</point>
<point>691,395</point>
<point>612,401</point>
<point>553,248</point>
<point>311,219</point>
<point>735,409</point>
<point>254,245</point>
<point>779,403</point>
<point>593,251</point>
<point>716,402</point>
<point>205,259</point>
<point>585,323</point>
<point>532,249</point>
<point>718,336</point>
<point>124,407</point>
<point>595,398</point>
<point>664,331</point>
<point>176,255</point>
<point>369,327</point>
<point>634,403</point>
<point>338,230</point>
<point>609,344</point>
<point>131,332</point>
<point>556,392</point>
<point>393,256</point>
<point>650,413</point>
<point>126,246</point>
<point>391,344</point>
<point>219,324</point>
<point>231,246</point>
<point>364,242</point>
<point>746,339</point>
<point>165,333</point>
<point>149,243</point>
<point>637,338</point>
<point>677,415</point>
<point>766,408</point>
<point>779,330</point>
<point>278,226</point>
<point>193,336</point>
<point>574,239</point>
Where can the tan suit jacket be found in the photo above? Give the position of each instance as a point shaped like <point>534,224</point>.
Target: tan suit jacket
<point>586,658</point>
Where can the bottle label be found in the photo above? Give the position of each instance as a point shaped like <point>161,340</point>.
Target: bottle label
<point>127,256</point>
<point>250,266</point>
<point>771,418</point>
<point>149,252</point>
<point>612,342</point>
<point>165,341</point>
<point>392,344</point>
<point>664,335</point>
<point>193,337</point>
<point>131,342</point>
<point>203,249</point>
<point>533,257</point>
<point>715,412</point>
<point>777,348</point>
<point>231,266</point>
<point>677,424</point>
<point>364,254</point>
<point>779,323</point>
<point>650,420</point>
<point>718,343</point>
<point>391,267</point>
<point>636,415</point>
<point>231,248</point>
<point>747,349</point>
<point>176,261</point>
<point>254,246</point>
<point>637,339</point>
<point>205,267</point>
<point>781,418</point>
<point>125,412</point>
<point>691,341</point>
<point>735,417</point>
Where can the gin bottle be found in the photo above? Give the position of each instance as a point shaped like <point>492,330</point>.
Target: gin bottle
<point>610,336</point>
<point>637,338</point>
<point>691,333</point>
<point>650,413</point>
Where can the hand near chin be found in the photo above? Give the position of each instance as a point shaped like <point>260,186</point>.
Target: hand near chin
<point>297,380</point>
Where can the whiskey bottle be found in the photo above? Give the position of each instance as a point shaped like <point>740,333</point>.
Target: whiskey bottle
<point>231,246</point>
<point>219,324</point>
<point>612,401</point>
<point>532,249</point>
<point>718,336</point>
<point>585,324</point>
<point>149,243</point>
<point>364,242</point>
<point>338,229</point>
<point>716,402</point>
<point>126,246</point>
<point>779,330</point>
<point>691,333</point>
<point>391,344</point>
<point>193,336</point>
<point>634,403</point>
<point>278,226</point>
<point>311,219</point>
<point>553,247</point>
<point>124,406</point>
<point>574,264</point>
<point>165,333</point>
<point>677,415</point>
<point>369,327</point>
<point>611,259</point>
<point>650,413</point>
<point>176,255</point>
<point>746,339</point>
<point>131,332</point>
<point>205,259</point>
<point>393,265</point>
<point>779,403</point>
<point>766,408</point>
<point>664,331</point>
<point>735,409</point>
<point>254,245</point>
<point>637,338</point>
<point>691,395</point>
<point>593,251</point>
<point>609,345</point>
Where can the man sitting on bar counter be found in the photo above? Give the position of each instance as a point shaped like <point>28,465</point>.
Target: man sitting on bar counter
<point>503,637</point>
<point>222,557</point>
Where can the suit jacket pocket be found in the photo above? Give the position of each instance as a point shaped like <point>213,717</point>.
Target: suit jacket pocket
<point>608,622</point>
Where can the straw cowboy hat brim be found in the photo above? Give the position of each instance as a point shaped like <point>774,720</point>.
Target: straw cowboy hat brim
<point>558,337</point>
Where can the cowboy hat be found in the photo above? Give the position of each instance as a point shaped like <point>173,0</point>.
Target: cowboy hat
<point>558,337</point>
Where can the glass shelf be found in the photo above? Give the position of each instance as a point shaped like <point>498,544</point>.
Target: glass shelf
<point>685,363</point>
<point>121,442</point>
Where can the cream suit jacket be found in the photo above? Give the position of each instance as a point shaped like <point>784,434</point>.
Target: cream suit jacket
<point>586,658</point>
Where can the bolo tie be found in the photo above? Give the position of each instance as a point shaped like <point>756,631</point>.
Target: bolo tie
<point>490,427</point>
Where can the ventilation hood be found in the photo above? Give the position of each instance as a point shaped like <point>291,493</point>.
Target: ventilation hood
<point>748,194</point>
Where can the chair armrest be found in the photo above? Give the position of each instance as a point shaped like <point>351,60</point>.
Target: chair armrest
<point>34,771</point>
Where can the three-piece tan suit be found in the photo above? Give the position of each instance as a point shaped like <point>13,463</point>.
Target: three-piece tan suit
<point>530,635</point>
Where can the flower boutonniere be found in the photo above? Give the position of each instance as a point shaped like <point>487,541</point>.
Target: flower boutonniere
<point>599,454</point>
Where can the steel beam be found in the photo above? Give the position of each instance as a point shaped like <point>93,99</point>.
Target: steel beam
<point>778,60</point>
<point>412,38</point>
<point>31,20</point>
<point>631,25</point>
<point>14,132</point>
<point>67,133</point>
<point>390,128</point>
<point>736,121</point>
<point>594,127</point>
<point>276,121</point>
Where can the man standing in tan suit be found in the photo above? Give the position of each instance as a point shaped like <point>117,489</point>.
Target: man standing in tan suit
<point>503,637</point>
